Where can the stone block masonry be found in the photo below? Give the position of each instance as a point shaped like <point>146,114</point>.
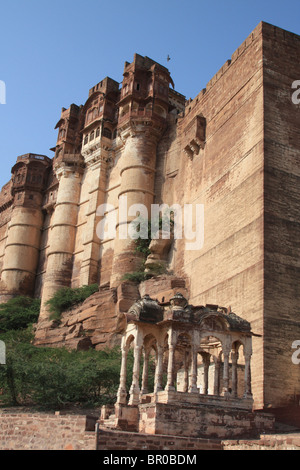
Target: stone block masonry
<point>233,149</point>
<point>45,431</point>
<point>121,440</point>
<point>54,431</point>
<point>266,442</point>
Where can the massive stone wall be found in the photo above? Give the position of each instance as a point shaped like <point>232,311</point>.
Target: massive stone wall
<point>247,175</point>
<point>234,149</point>
<point>226,176</point>
<point>281,214</point>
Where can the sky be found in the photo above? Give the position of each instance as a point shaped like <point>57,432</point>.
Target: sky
<point>52,52</point>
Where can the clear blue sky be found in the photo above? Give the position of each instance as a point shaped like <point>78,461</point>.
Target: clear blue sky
<point>53,51</point>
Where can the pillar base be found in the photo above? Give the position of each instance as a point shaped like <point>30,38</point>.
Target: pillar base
<point>204,421</point>
<point>127,417</point>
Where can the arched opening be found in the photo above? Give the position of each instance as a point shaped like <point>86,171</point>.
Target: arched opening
<point>126,369</point>
<point>237,366</point>
<point>149,364</point>
<point>183,359</point>
<point>209,366</point>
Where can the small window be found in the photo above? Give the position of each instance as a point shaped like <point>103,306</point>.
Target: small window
<point>62,133</point>
<point>92,136</point>
<point>98,132</point>
<point>107,133</point>
<point>90,115</point>
<point>31,196</point>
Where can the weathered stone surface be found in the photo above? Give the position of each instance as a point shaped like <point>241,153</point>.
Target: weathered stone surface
<point>181,337</point>
<point>234,149</point>
<point>192,421</point>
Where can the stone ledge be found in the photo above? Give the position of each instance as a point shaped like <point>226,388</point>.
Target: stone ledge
<point>265,442</point>
<point>122,440</point>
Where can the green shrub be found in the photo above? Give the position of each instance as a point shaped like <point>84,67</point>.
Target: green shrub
<point>142,246</point>
<point>57,378</point>
<point>18,313</point>
<point>66,298</point>
<point>136,276</point>
<point>154,269</point>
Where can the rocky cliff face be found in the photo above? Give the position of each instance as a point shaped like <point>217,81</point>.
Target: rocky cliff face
<point>100,321</point>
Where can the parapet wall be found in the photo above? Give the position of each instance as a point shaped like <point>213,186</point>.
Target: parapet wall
<point>267,442</point>
<point>121,440</point>
<point>45,431</point>
<point>55,431</point>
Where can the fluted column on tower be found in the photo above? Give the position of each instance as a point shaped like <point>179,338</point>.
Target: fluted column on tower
<point>143,110</point>
<point>137,187</point>
<point>63,231</point>
<point>21,256</point>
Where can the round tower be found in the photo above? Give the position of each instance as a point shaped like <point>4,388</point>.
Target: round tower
<point>24,231</point>
<point>143,111</point>
<point>68,166</point>
<point>63,230</point>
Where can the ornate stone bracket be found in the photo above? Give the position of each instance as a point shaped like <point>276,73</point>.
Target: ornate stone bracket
<point>194,136</point>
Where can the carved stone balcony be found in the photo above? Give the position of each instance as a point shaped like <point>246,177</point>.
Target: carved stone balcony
<point>194,135</point>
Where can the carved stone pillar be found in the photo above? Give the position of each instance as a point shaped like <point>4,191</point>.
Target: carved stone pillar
<point>226,373</point>
<point>217,376</point>
<point>145,377</point>
<point>193,379</point>
<point>186,372</point>
<point>248,392</point>
<point>170,374</point>
<point>159,370</point>
<point>234,359</point>
<point>134,398</point>
<point>122,393</point>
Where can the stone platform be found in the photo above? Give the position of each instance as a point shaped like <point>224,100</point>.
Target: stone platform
<point>189,415</point>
